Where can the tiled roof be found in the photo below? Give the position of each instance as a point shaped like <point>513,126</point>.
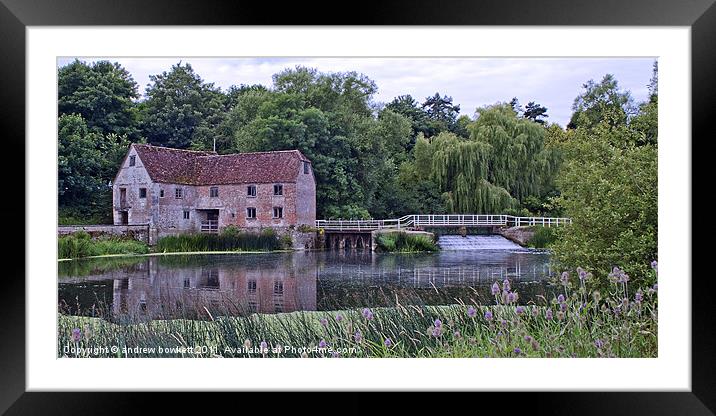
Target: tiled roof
<point>190,167</point>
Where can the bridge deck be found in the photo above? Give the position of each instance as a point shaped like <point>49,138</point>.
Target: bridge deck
<point>439,220</point>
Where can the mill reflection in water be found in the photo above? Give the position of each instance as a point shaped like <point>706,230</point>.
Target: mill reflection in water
<point>206,286</point>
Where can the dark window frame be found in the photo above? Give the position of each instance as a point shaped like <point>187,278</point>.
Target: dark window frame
<point>306,170</point>
<point>186,214</point>
<point>161,193</point>
<point>280,212</point>
<point>132,160</point>
<point>251,191</point>
<point>278,189</point>
<point>142,193</point>
<point>214,192</point>
<point>248,217</point>
<point>178,193</point>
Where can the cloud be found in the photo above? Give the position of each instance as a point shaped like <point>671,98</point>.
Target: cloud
<point>472,82</point>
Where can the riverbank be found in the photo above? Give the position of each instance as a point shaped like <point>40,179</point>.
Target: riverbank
<point>565,326</point>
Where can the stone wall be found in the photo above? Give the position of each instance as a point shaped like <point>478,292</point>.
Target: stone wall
<point>137,232</point>
<point>519,235</point>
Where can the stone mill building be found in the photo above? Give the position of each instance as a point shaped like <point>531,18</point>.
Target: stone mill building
<point>175,191</point>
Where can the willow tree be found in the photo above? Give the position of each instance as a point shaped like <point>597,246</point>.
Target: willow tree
<point>519,162</point>
<point>503,162</point>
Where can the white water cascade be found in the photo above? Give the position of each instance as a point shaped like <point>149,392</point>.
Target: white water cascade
<point>477,242</point>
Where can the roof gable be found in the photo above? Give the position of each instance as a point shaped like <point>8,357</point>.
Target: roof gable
<point>167,165</point>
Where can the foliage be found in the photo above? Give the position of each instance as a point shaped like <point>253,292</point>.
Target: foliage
<point>87,162</point>
<point>405,242</point>
<point>576,322</point>
<point>80,244</point>
<point>601,102</point>
<point>543,237</point>
<point>226,241</point>
<point>609,189</point>
<point>181,110</point>
<point>102,93</point>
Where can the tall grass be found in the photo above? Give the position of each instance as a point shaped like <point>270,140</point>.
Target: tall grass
<point>80,244</point>
<point>228,240</point>
<point>578,322</point>
<point>405,242</point>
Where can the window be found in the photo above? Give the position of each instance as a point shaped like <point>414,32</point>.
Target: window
<point>161,193</point>
<point>214,191</point>
<point>252,286</point>
<point>305,167</point>
<point>142,192</point>
<point>186,214</point>
<point>278,288</point>
<point>251,190</point>
<point>278,189</point>
<point>250,213</point>
<point>132,160</point>
<point>278,212</point>
<point>178,194</point>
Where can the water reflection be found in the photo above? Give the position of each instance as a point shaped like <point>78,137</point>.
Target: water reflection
<point>201,287</point>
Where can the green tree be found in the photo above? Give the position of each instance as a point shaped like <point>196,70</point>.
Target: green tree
<point>102,93</point>
<point>535,112</point>
<point>181,110</point>
<point>609,189</point>
<point>87,162</point>
<point>601,102</point>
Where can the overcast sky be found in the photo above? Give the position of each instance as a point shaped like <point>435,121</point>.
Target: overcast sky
<point>471,82</point>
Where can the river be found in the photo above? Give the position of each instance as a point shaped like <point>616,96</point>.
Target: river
<point>136,289</point>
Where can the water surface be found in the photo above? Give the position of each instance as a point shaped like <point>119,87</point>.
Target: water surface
<point>134,289</point>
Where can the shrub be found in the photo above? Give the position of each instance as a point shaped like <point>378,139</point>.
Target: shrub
<point>543,237</point>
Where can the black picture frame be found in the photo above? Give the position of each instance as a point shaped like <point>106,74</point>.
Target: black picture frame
<point>16,15</point>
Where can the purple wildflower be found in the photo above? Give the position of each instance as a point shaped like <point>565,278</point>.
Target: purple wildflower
<point>517,350</point>
<point>654,265</point>
<point>324,321</point>
<point>503,323</point>
<point>506,285</point>
<point>438,323</point>
<point>335,354</point>
<point>618,276</point>
<point>560,298</point>
<point>639,296</point>
<point>528,338</point>
<point>548,314</point>
<point>471,312</point>
<point>488,315</point>
<point>582,274</point>
<point>339,318</point>
<point>535,311</point>
<point>388,342</point>
<point>563,307</point>
<point>495,289</point>
<point>263,346</point>
<point>598,343</point>
<point>655,287</point>
<point>564,279</point>
<point>358,336</point>
<point>367,314</point>
<point>322,344</point>
<point>457,334</point>
<point>511,297</point>
<point>76,334</point>
<point>437,331</point>
<point>519,310</point>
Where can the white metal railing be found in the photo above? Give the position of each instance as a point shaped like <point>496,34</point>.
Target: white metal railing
<point>210,226</point>
<point>440,220</point>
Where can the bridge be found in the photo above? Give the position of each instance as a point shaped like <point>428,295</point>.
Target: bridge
<point>417,221</point>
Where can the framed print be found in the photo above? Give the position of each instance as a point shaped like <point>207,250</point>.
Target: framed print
<point>469,197</point>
